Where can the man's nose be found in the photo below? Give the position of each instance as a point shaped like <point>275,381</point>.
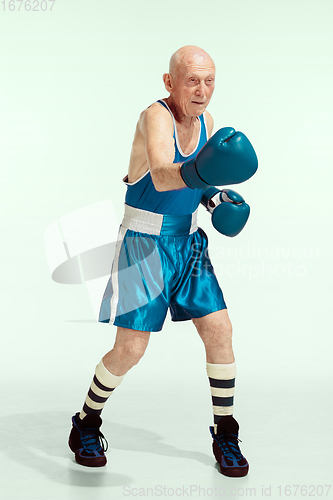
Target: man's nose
<point>200,89</point>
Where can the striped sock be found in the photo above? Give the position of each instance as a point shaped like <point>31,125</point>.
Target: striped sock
<point>222,387</point>
<point>100,390</point>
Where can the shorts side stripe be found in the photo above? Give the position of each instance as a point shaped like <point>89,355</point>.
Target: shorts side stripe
<point>114,277</point>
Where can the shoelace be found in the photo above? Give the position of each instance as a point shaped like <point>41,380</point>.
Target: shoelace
<point>93,439</point>
<point>229,445</point>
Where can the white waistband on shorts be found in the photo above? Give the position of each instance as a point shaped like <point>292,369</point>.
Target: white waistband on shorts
<point>159,224</point>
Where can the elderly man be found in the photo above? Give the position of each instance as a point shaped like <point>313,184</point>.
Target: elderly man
<point>161,258</point>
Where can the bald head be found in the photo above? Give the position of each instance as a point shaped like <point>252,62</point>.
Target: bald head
<point>190,81</point>
<point>188,56</point>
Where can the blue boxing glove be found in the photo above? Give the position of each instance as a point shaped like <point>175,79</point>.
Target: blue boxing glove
<point>228,208</point>
<point>227,158</point>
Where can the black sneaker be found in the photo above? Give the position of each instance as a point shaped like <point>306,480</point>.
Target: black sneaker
<point>87,441</point>
<point>226,449</point>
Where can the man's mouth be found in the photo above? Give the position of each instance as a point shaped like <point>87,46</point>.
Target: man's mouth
<point>197,102</point>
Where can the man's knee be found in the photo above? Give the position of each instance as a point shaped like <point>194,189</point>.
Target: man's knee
<point>222,334</point>
<point>135,348</point>
<point>226,327</point>
<point>132,347</point>
<point>214,328</point>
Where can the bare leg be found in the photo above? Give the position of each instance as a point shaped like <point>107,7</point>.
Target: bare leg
<point>128,349</point>
<point>215,330</point>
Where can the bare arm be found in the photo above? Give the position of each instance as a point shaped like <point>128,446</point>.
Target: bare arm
<point>156,127</point>
<point>209,123</point>
<point>208,202</point>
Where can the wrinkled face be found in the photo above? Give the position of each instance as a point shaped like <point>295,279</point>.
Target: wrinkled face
<point>193,84</point>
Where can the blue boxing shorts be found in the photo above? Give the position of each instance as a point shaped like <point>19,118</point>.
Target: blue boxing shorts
<point>160,262</point>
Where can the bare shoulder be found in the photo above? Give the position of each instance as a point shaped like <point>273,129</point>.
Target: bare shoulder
<point>155,117</point>
<point>209,122</point>
<point>153,143</point>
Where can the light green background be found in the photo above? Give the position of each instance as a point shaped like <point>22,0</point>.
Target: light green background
<point>72,85</point>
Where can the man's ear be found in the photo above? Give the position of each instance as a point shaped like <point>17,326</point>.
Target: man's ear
<point>167,79</point>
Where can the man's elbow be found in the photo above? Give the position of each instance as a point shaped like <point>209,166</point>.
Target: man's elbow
<point>155,177</point>
<point>159,187</point>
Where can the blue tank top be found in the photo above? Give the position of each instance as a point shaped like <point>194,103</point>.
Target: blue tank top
<point>142,193</point>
